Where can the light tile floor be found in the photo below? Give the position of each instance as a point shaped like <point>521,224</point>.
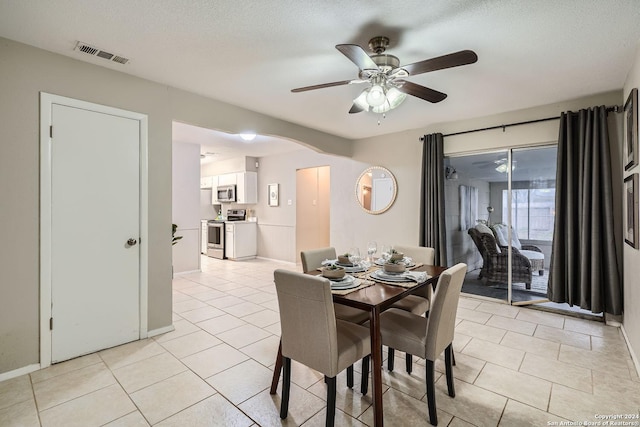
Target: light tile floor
<point>515,367</point>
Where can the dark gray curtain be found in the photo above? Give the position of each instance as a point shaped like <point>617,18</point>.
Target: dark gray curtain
<point>432,220</point>
<point>584,269</point>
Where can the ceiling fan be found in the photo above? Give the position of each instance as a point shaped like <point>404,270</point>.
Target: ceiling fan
<point>500,165</point>
<point>388,87</point>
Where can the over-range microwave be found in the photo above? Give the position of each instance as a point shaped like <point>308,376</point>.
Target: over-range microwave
<point>226,193</point>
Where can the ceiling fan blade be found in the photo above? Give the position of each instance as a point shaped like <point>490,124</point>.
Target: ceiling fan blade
<point>456,59</point>
<point>355,109</point>
<point>358,56</point>
<point>323,85</point>
<point>421,92</point>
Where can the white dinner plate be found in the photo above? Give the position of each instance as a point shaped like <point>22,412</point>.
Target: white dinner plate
<point>347,282</point>
<point>379,274</point>
<point>408,262</point>
<point>343,265</point>
<point>350,268</point>
<point>345,287</point>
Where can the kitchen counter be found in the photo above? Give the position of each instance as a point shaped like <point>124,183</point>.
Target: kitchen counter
<point>241,239</point>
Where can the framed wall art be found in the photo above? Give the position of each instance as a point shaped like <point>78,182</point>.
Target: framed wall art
<point>631,210</point>
<point>273,195</point>
<point>631,130</point>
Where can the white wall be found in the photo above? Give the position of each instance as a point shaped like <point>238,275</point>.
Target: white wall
<point>632,256</point>
<point>276,225</point>
<point>24,72</point>
<point>186,206</point>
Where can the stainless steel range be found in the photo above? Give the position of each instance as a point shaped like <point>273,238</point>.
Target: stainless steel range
<point>215,239</point>
<point>216,233</point>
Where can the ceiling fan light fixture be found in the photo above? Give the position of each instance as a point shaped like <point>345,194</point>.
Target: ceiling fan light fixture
<point>503,167</point>
<point>381,109</point>
<point>361,101</point>
<point>376,96</point>
<point>395,97</point>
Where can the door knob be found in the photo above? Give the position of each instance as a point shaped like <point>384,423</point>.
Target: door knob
<point>131,242</point>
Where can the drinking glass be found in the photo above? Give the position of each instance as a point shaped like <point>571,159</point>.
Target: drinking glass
<point>372,248</point>
<point>385,252</point>
<point>354,256</point>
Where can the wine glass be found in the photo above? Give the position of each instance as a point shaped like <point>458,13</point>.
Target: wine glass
<point>354,256</point>
<point>385,252</point>
<point>372,248</point>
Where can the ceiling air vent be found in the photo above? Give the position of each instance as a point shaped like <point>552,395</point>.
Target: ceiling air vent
<point>94,51</point>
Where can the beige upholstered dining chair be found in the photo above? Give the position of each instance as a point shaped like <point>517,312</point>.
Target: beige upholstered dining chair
<point>312,260</point>
<point>313,336</point>
<point>417,303</point>
<point>428,337</point>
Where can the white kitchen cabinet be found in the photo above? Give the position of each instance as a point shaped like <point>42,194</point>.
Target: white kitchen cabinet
<point>206,182</point>
<point>204,238</point>
<point>241,240</point>
<point>247,188</point>
<point>227,179</point>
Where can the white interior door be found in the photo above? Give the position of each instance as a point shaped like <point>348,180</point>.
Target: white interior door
<point>95,210</point>
<point>382,190</point>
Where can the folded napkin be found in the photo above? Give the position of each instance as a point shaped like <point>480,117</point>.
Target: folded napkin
<point>416,276</point>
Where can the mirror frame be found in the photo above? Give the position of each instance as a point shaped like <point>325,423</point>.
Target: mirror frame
<point>393,197</point>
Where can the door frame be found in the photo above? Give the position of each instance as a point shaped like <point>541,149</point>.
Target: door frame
<point>46,104</point>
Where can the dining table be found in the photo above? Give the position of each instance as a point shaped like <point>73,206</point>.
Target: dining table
<point>374,298</point>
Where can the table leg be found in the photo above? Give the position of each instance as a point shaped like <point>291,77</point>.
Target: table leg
<point>376,365</point>
<point>276,371</point>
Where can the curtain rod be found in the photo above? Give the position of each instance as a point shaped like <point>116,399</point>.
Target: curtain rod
<point>615,109</point>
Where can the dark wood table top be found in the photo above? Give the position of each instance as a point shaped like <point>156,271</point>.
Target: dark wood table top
<point>383,295</point>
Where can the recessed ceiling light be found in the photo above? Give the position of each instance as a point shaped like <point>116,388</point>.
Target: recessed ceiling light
<point>248,136</point>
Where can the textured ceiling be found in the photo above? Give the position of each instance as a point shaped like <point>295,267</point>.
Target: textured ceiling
<point>217,146</point>
<point>251,53</point>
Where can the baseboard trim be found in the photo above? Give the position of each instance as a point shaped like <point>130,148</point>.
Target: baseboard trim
<point>634,357</point>
<point>160,331</point>
<point>183,273</point>
<point>18,372</point>
<point>276,260</point>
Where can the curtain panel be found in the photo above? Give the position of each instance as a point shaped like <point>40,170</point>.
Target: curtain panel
<point>584,269</point>
<point>432,219</point>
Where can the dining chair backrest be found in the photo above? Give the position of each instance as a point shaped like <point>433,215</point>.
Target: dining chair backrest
<point>442,315</point>
<point>419,254</point>
<point>312,259</point>
<point>307,320</point>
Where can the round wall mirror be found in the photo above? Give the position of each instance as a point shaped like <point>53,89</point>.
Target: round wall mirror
<point>376,189</point>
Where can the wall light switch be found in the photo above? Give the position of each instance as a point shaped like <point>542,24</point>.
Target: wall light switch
<point>314,203</point>
<point>289,202</point>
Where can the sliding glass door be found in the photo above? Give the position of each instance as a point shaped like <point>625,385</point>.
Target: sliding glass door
<point>532,215</point>
<point>500,213</point>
